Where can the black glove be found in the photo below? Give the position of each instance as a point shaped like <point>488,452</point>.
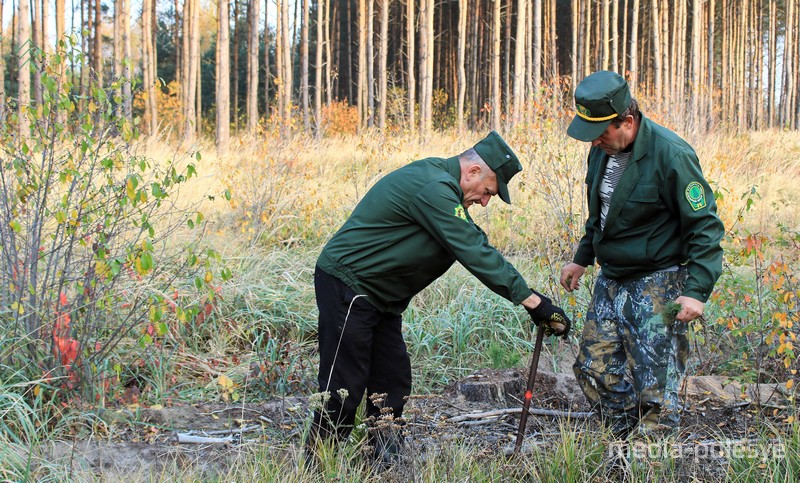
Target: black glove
<point>548,313</point>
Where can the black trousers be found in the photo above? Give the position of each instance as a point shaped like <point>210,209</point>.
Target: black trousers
<point>361,350</point>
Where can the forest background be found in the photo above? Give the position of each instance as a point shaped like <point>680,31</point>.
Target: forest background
<point>170,172</point>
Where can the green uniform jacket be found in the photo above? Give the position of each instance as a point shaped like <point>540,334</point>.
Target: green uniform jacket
<point>407,231</point>
<point>662,213</point>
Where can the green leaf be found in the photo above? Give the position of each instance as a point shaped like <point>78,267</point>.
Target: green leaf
<point>147,261</point>
<point>145,340</point>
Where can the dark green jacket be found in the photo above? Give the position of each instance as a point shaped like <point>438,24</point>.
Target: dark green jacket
<point>407,231</point>
<point>662,213</point>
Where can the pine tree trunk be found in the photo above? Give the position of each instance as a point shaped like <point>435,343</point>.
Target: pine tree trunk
<point>223,74</point>
<point>772,37</point>
<point>237,41</point>
<point>695,60</point>
<point>192,30</point>
<point>23,69</point>
<point>506,56</point>
<point>574,45</point>
<point>98,41</point>
<point>363,109</point>
<point>149,68</point>
<point>497,101</point>
<point>537,48</point>
<point>287,67</point>
<point>370,38</point>
<point>605,58</point>
<point>304,65</point>
<point>425,75</point>
<point>587,36</point>
<point>411,56</point>
<point>462,74</point>
<point>318,68</point>
<point>709,63</point>
<point>383,47</point>
<point>36,38</point>
<point>519,62</point>
<point>634,47</point>
<point>253,17</point>
<point>267,73</point>
<point>657,60</point>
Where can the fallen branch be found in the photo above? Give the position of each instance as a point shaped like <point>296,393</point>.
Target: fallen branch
<point>211,437</point>
<point>218,432</point>
<point>534,411</point>
<point>192,439</point>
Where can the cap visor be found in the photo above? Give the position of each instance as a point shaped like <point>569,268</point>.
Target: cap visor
<point>586,131</point>
<point>502,192</point>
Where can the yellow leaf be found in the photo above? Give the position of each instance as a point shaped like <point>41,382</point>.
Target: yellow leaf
<point>18,307</point>
<point>156,406</point>
<point>225,381</point>
<point>790,419</point>
<point>209,277</point>
<point>789,383</point>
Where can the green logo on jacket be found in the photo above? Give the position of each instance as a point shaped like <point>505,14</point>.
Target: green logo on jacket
<point>460,213</point>
<point>696,195</point>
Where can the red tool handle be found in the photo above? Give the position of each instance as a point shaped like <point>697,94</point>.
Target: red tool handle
<point>526,403</point>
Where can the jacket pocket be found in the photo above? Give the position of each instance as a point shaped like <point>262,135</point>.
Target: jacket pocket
<point>646,193</point>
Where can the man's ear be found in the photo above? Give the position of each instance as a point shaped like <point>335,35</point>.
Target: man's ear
<point>474,170</point>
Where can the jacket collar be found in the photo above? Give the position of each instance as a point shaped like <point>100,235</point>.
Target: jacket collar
<point>629,178</point>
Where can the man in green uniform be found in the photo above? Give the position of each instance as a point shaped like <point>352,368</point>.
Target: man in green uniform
<point>653,230</point>
<point>409,228</point>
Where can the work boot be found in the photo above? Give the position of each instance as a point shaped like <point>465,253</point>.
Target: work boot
<point>387,449</point>
<point>620,424</point>
<point>658,424</point>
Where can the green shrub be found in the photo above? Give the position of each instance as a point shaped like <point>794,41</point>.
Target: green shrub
<point>88,257</point>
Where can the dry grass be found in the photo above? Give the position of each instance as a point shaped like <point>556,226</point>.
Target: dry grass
<point>300,190</point>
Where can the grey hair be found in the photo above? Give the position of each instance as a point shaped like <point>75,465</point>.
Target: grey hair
<point>470,156</point>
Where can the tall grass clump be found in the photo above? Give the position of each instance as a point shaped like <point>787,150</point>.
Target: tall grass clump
<point>95,261</point>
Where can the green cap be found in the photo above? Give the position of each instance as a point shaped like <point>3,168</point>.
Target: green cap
<point>501,159</point>
<point>599,98</point>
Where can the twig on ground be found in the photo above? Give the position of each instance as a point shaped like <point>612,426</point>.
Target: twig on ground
<point>192,439</point>
<point>535,411</point>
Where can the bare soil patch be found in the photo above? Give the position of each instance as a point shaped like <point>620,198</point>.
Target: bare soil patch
<point>480,411</point>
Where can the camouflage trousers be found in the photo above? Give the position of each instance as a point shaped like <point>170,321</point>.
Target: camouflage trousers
<point>631,362</point>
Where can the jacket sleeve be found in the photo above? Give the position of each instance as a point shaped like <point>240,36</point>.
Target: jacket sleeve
<point>438,209</point>
<point>700,228</point>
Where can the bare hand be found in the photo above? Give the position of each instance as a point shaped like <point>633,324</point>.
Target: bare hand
<point>571,276</point>
<point>690,309</point>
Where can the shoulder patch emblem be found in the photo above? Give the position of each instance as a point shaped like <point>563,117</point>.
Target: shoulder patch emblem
<point>696,195</point>
<point>460,213</point>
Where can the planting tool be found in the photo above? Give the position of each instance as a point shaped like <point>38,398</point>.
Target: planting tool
<point>526,403</point>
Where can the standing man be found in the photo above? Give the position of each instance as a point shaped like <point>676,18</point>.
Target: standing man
<point>409,228</point>
<point>653,230</point>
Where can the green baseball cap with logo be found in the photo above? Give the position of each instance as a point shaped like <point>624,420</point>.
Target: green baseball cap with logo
<point>501,159</point>
<point>599,98</point>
